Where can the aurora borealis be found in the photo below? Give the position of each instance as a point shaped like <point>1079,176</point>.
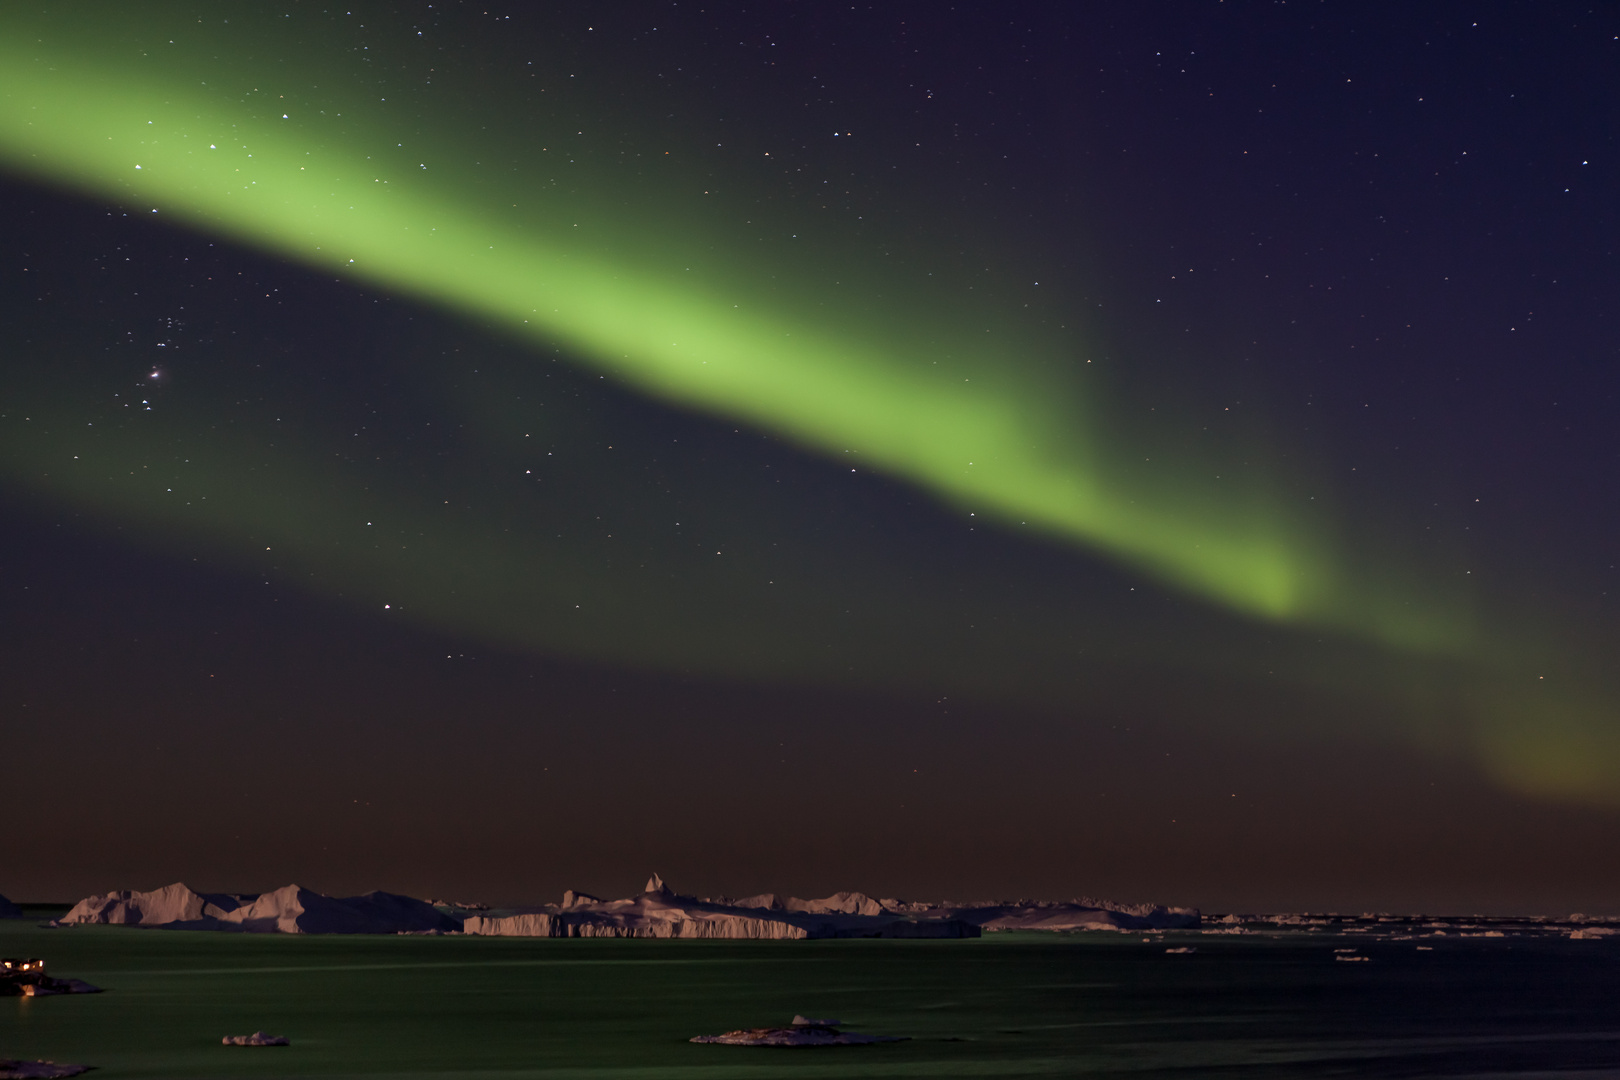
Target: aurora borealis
<point>825,363</point>
<point>987,430</point>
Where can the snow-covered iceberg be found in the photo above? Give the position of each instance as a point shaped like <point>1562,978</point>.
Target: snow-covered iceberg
<point>1067,916</point>
<point>657,912</point>
<point>258,1038</point>
<point>660,912</point>
<point>288,910</point>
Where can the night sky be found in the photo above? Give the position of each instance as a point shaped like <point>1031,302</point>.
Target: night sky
<point>1162,450</point>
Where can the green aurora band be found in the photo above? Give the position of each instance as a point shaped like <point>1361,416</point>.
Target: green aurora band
<point>90,101</point>
<point>1001,441</point>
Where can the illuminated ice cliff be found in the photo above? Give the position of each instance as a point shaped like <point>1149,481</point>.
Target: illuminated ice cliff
<point>658,912</point>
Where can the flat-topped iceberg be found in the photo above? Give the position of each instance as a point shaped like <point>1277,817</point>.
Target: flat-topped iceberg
<point>660,912</point>
<point>663,913</point>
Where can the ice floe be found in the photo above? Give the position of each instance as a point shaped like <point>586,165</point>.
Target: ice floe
<point>803,1031</point>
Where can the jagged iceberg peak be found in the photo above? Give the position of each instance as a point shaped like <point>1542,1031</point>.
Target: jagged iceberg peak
<point>655,884</point>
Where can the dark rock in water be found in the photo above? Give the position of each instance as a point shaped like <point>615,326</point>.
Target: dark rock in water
<point>47,987</point>
<point>27,978</point>
<point>8,910</point>
<point>37,1070</point>
<point>802,1032</point>
<point>258,1038</point>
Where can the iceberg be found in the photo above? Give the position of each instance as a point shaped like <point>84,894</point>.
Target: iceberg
<point>802,1032</point>
<point>662,913</point>
<point>258,1038</point>
<point>291,909</point>
<point>659,912</point>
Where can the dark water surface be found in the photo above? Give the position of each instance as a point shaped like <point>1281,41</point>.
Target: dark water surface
<point>1005,1005</point>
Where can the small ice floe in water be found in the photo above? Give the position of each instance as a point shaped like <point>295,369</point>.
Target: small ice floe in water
<point>804,1031</point>
<point>1348,954</point>
<point>1183,949</point>
<point>37,1070</point>
<point>258,1038</point>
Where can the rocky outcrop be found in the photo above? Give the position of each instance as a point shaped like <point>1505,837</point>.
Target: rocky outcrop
<point>11,1069</point>
<point>21,977</point>
<point>288,910</point>
<point>46,987</point>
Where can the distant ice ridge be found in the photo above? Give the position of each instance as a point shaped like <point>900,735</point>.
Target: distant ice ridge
<point>660,912</point>
<point>1382,926</point>
<point>8,910</point>
<point>288,910</point>
<point>657,912</point>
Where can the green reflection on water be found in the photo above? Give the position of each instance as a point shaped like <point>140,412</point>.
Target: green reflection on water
<point>1007,1005</point>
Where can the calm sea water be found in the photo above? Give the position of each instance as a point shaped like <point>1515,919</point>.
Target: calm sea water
<point>1004,1005</point>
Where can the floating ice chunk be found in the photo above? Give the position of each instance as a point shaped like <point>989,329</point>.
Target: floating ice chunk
<point>258,1038</point>
<point>803,1032</point>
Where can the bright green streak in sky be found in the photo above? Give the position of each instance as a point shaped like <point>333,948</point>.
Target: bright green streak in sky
<point>1001,444</point>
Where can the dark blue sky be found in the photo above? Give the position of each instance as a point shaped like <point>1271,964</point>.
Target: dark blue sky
<point>1365,249</point>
